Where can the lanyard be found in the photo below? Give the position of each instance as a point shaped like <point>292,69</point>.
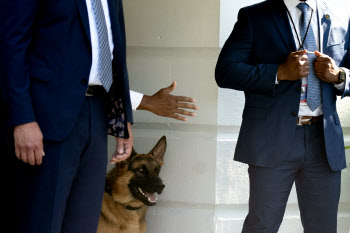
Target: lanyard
<point>301,44</point>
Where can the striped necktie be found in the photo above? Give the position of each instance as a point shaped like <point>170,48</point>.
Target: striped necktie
<point>314,95</point>
<point>105,58</point>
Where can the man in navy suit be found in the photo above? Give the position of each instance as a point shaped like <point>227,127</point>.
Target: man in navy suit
<point>64,84</point>
<point>291,58</point>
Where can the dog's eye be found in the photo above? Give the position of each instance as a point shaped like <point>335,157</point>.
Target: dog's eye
<point>142,171</point>
<point>156,170</point>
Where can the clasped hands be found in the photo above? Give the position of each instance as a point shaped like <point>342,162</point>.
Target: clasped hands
<point>297,66</point>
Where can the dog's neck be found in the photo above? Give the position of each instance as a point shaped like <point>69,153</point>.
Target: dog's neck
<point>128,207</point>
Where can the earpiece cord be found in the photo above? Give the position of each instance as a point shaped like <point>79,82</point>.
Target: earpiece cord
<point>295,29</point>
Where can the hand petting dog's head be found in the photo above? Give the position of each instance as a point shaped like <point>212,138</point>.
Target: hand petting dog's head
<point>138,176</point>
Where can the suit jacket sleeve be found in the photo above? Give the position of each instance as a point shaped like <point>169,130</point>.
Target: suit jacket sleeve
<point>121,110</point>
<point>346,66</point>
<point>129,116</point>
<point>236,69</point>
<point>16,19</point>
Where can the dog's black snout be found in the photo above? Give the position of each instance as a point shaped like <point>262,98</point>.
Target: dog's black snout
<point>160,187</point>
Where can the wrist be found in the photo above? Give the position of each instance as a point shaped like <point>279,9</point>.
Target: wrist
<point>280,73</point>
<point>145,103</point>
<point>340,76</point>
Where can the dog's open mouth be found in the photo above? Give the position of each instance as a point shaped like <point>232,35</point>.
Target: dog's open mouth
<point>150,196</point>
<point>147,198</point>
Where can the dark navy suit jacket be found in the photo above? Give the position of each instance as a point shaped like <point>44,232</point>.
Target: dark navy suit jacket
<point>45,61</point>
<point>261,40</point>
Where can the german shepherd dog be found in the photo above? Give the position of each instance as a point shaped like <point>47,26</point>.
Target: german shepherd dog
<point>130,188</point>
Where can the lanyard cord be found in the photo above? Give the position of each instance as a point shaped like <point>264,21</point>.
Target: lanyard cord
<point>295,29</point>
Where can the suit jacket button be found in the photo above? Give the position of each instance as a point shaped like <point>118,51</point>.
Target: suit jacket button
<point>294,114</point>
<point>298,89</point>
<point>84,81</point>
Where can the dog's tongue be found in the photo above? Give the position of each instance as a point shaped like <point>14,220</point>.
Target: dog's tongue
<point>151,197</point>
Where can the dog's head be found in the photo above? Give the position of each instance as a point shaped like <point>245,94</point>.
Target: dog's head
<point>138,176</point>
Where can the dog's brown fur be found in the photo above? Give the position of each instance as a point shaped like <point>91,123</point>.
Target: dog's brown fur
<point>124,208</point>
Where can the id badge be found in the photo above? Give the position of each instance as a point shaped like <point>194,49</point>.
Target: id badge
<point>303,95</point>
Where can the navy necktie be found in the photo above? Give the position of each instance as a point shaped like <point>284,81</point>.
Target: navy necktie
<point>105,58</point>
<point>314,95</point>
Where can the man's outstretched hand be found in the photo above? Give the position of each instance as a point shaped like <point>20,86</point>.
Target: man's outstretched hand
<point>164,104</point>
<point>124,147</point>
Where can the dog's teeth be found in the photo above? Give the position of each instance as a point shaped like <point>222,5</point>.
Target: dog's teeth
<point>153,201</point>
<point>140,190</point>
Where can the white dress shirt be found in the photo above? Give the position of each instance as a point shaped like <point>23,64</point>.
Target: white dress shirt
<point>135,99</point>
<point>304,109</point>
<point>94,78</point>
<point>295,13</point>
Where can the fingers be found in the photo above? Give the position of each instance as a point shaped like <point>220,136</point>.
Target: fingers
<point>127,148</point>
<point>116,158</point>
<point>171,88</point>
<point>319,54</point>
<point>178,117</point>
<point>119,152</point>
<point>303,58</point>
<point>304,74</point>
<point>323,59</point>
<point>184,112</point>
<point>31,157</point>
<point>39,154</point>
<point>17,152</point>
<point>184,99</point>
<point>23,156</point>
<point>123,150</point>
<point>187,106</point>
<point>304,63</point>
<point>120,146</point>
<point>298,53</point>
<point>31,154</point>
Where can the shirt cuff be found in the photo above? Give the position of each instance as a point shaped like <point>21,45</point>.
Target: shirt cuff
<point>276,82</point>
<point>340,87</point>
<point>135,99</point>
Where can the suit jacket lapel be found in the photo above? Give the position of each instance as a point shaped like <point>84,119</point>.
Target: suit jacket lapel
<point>117,39</point>
<point>280,17</point>
<point>84,17</point>
<point>325,23</point>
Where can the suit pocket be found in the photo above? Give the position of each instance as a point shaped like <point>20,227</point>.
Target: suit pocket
<point>254,113</point>
<point>336,36</point>
<point>40,73</point>
<point>336,119</point>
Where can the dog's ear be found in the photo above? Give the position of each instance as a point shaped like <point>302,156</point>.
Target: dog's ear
<point>133,152</point>
<point>159,150</point>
